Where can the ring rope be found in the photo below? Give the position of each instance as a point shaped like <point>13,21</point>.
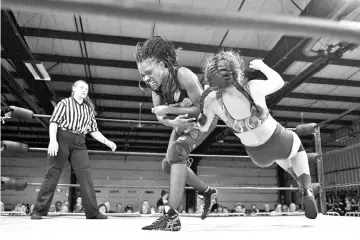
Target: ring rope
<point>165,187</point>
<point>291,25</point>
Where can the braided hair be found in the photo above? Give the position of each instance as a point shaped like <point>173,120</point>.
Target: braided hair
<point>224,69</point>
<point>87,100</point>
<point>164,51</point>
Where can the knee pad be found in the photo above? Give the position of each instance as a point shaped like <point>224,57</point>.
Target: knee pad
<point>177,153</point>
<point>165,166</point>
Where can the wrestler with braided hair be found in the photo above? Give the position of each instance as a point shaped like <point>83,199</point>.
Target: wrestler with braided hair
<point>176,91</point>
<point>242,106</point>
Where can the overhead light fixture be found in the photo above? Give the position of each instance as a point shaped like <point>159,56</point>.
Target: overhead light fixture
<point>38,70</point>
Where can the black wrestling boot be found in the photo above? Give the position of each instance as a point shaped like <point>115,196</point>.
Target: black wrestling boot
<point>207,197</point>
<point>308,196</point>
<point>168,222</point>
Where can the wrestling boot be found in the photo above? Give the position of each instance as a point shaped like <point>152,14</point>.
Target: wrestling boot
<point>308,197</point>
<point>168,222</point>
<point>207,196</point>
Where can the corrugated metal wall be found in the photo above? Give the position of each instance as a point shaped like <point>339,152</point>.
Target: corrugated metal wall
<point>342,167</point>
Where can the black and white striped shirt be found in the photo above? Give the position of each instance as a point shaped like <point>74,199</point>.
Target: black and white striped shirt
<point>74,116</point>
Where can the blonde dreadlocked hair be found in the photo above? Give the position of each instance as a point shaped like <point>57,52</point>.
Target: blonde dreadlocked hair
<point>224,69</point>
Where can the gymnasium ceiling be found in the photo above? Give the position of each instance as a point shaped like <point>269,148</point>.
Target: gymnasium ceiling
<point>100,50</point>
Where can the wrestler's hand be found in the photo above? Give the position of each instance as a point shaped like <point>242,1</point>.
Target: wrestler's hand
<point>181,120</point>
<point>257,64</point>
<point>161,110</point>
<point>111,145</point>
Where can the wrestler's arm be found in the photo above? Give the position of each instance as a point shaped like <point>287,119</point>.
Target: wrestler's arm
<point>208,112</point>
<point>189,81</point>
<point>157,101</point>
<point>273,83</point>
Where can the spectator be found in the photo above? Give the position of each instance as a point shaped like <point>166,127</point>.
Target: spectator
<point>292,207</point>
<point>58,206</point>
<point>32,208</point>
<point>78,208</point>
<point>102,209</point>
<point>145,207</point>
<point>190,210</point>
<point>215,205</point>
<point>219,209</point>
<point>238,208</point>
<point>153,210</point>
<point>161,209</point>
<point>163,200</point>
<point>277,208</point>
<point>225,210</point>
<point>284,208</point>
<point>2,208</point>
<point>266,208</point>
<point>118,208</point>
<point>64,208</point>
<point>23,208</point>
<point>108,207</point>
<point>66,202</point>
<point>254,210</point>
<point>128,209</point>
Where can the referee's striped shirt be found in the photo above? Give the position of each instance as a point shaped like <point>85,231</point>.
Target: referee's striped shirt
<point>74,116</point>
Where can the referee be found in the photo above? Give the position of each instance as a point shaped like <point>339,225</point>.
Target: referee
<point>72,119</point>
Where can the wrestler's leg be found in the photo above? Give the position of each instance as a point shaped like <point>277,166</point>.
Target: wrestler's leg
<point>286,165</point>
<point>300,165</point>
<point>192,179</point>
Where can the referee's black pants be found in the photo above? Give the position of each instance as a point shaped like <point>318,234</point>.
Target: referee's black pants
<point>71,147</point>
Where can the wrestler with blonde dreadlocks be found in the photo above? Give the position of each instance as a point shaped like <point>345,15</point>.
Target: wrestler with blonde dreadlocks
<point>242,106</point>
<point>176,91</point>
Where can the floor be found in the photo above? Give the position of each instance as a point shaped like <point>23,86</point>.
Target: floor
<point>269,227</point>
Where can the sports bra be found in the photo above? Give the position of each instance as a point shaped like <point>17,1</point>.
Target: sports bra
<point>241,125</point>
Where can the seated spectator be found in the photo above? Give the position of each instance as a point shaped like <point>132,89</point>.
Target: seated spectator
<point>190,210</point>
<point>225,210</point>
<point>215,205</point>
<point>32,208</point>
<point>219,209</point>
<point>292,207</point>
<point>66,202</point>
<point>183,211</point>
<point>78,207</point>
<point>277,209</point>
<point>163,200</point>
<point>128,209</point>
<point>23,208</point>
<point>161,209</point>
<point>153,210</point>
<point>284,208</point>
<point>238,208</point>
<point>266,208</point>
<point>253,210</point>
<point>145,207</point>
<point>58,206</point>
<point>108,207</point>
<point>2,207</point>
<point>102,208</point>
<point>118,208</point>
<point>64,208</point>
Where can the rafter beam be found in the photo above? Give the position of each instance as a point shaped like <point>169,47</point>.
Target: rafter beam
<point>132,41</point>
